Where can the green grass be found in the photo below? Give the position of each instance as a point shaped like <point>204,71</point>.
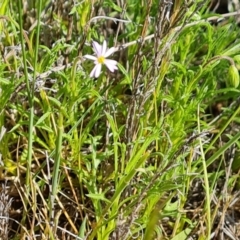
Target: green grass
<point>150,151</point>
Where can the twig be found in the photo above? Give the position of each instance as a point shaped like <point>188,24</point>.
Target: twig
<point>109,18</point>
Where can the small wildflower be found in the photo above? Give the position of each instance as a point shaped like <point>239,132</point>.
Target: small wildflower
<point>101,54</point>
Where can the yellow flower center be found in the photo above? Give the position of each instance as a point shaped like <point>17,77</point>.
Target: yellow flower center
<point>101,59</point>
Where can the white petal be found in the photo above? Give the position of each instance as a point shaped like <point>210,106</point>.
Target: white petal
<point>90,57</point>
<point>109,52</point>
<point>111,64</point>
<point>104,48</point>
<point>93,71</point>
<point>98,70</point>
<point>97,48</point>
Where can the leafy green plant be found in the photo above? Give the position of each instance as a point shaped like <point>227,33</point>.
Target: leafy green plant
<point>147,150</point>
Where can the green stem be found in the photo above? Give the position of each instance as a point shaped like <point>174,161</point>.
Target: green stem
<point>30,93</point>
<point>206,182</point>
<point>55,177</point>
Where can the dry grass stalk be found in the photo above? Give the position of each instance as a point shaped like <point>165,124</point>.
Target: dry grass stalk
<point>5,206</point>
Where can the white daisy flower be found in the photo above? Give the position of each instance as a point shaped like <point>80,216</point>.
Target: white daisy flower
<point>102,52</point>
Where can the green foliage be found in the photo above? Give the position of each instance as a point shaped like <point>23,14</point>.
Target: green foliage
<point>119,156</point>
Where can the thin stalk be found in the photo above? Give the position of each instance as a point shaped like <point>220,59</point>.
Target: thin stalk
<point>206,182</point>
<point>30,89</point>
<point>30,93</point>
<point>57,161</point>
<point>31,101</point>
<point>20,13</point>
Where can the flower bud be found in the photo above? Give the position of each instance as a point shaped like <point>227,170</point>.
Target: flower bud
<point>233,79</point>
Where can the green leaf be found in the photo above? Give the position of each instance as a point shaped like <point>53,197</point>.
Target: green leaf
<point>127,79</point>
<point>42,118</point>
<point>83,228</point>
<point>4,81</point>
<point>183,235</point>
<point>98,196</point>
<point>112,5</point>
<point>232,51</point>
